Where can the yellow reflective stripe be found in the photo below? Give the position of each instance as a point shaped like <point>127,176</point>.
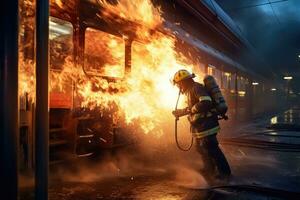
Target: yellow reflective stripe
<point>202,115</point>
<point>207,132</point>
<point>198,115</point>
<point>205,98</point>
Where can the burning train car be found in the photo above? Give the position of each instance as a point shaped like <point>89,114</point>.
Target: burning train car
<point>110,62</point>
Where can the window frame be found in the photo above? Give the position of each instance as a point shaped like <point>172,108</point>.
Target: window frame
<point>83,55</point>
<point>73,42</point>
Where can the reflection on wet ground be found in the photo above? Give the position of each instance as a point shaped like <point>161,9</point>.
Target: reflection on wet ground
<point>291,116</point>
<point>268,152</point>
<point>265,164</point>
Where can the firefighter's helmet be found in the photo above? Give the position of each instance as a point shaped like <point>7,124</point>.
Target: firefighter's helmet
<point>181,75</point>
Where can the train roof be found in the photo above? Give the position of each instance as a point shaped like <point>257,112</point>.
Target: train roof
<point>195,42</point>
<point>90,10</point>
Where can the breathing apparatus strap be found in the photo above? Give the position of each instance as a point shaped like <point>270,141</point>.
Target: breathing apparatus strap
<point>176,138</point>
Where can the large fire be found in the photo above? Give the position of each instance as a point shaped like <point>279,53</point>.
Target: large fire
<point>140,11</point>
<point>145,95</point>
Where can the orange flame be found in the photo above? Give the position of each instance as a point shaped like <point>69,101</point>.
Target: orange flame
<point>145,95</point>
<point>141,11</point>
<point>26,78</point>
<point>149,97</point>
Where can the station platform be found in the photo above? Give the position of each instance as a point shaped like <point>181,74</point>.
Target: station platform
<point>264,156</point>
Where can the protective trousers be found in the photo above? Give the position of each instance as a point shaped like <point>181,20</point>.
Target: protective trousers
<point>214,161</point>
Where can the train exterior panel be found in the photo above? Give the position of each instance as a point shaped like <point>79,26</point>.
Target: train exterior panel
<point>78,131</point>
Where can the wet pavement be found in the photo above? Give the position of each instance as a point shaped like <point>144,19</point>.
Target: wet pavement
<point>265,161</point>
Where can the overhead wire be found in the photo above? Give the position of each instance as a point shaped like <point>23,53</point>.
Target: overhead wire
<point>275,16</point>
<point>255,5</point>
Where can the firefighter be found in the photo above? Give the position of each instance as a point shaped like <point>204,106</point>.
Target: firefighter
<point>204,125</point>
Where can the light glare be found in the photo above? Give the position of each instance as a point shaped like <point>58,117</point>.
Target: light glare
<point>288,78</point>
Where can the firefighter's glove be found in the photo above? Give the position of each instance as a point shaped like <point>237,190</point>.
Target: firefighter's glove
<point>194,109</point>
<point>181,112</point>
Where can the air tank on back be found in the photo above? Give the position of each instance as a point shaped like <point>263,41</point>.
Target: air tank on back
<point>214,91</point>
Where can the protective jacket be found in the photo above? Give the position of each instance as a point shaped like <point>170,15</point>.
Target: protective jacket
<point>202,118</point>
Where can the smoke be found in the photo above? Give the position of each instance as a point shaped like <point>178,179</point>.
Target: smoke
<point>179,173</point>
<point>190,178</point>
<point>275,36</point>
<point>151,157</point>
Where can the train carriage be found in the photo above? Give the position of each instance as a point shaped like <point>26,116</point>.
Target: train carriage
<point>78,33</point>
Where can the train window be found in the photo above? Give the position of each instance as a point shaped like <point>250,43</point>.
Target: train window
<point>210,70</point>
<point>217,74</point>
<point>61,43</point>
<point>232,83</point>
<point>239,83</point>
<point>226,80</point>
<point>201,68</point>
<point>241,86</point>
<point>104,54</point>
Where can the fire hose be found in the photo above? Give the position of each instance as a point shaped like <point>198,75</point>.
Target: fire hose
<point>176,138</point>
<point>183,112</point>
